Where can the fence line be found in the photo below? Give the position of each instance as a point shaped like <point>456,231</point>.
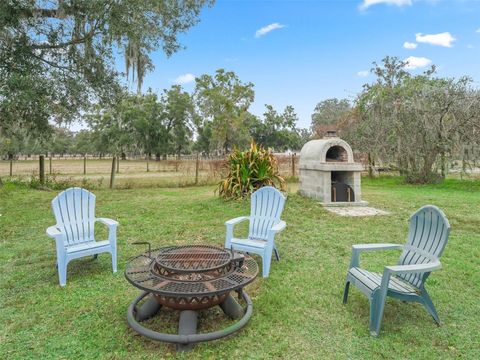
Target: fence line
<point>192,170</point>
<point>35,157</point>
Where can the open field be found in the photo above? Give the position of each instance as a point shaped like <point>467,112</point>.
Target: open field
<point>298,312</point>
<point>132,173</point>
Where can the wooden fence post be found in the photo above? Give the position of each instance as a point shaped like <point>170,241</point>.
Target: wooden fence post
<point>42,169</point>
<point>84,164</point>
<point>196,170</point>
<point>148,158</point>
<point>293,165</point>
<point>11,167</point>
<point>50,164</point>
<point>112,174</point>
<point>118,165</point>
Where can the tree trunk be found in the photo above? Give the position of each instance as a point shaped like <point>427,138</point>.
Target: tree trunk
<point>42,169</point>
<point>371,165</point>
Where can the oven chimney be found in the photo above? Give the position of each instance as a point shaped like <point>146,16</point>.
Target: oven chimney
<point>331,134</point>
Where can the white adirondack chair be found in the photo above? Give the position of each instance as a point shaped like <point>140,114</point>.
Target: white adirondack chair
<point>267,205</point>
<point>74,233</point>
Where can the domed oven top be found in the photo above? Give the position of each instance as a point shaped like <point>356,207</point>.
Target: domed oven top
<point>327,150</point>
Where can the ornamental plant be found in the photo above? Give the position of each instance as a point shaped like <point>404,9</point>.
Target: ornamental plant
<point>248,171</point>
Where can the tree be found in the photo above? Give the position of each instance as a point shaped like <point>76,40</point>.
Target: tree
<point>85,143</point>
<point>420,122</point>
<point>180,114</point>
<point>203,142</point>
<point>277,131</point>
<point>328,113</point>
<point>62,142</point>
<point>57,57</point>
<point>113,126</point>
<point>146,123</point>
<point>223,100</point>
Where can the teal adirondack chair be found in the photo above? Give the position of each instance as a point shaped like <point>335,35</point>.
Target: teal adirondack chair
<point>427,237</point>
<point>74,234</point>
<point>267,204</point>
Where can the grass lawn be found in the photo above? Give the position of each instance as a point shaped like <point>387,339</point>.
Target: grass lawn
<point>298,311</point>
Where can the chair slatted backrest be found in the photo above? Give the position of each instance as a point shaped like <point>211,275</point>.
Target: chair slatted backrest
<point>427,237</point>
<point>74,211</point>
<point>267,204</point>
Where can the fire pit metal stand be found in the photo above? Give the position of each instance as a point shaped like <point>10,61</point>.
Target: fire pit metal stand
<point>189,278</point>
<point>187,335</point>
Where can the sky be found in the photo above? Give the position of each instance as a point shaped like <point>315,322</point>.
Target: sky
<point>302,52</point>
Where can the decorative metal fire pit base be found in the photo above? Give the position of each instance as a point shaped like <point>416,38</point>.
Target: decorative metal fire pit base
<point>190,278</point>
<point>187,328</point>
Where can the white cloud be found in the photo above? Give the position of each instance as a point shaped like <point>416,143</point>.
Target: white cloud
<point>266,29</point>
<point>442,39</point>
<point>414,62</point>
<point>184,79</point>
<point>470,46</point>
<point>367,3</point>
<point>410,45</point>
<point>363,73</point>
<point>478,30</point>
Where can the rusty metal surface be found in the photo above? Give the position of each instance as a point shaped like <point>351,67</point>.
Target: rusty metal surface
<point>217,277</point>
<point>193,258</point>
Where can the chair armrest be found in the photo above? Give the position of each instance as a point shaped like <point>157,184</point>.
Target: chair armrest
<point>53,232</point>
<point>59,237</point>
<point>112,229</point>
<point>414,268</point>
<point>236,220</point>
<point>108,222</point>
<point>278,227</point>
<point>371,247</point>
<point>358,248</point>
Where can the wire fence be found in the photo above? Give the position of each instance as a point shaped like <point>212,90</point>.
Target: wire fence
<point>130,172</point>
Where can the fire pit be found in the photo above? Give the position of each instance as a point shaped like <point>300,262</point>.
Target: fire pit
<point>190,278</point>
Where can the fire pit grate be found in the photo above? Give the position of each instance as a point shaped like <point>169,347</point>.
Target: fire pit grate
<point>193,258</point>
<point>145,273</point>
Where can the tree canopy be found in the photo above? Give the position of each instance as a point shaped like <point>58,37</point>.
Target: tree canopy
<point>223,101</point>
<point>57,57</point>
<point>328,113</point>
<point>419,122</point>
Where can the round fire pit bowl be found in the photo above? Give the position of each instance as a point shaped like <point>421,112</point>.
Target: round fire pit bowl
<point>189,278</point>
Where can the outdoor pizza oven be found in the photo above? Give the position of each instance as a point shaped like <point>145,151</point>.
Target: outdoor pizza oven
<point>329,173</point>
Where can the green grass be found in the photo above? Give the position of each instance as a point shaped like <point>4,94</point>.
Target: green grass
<point>298,312</point>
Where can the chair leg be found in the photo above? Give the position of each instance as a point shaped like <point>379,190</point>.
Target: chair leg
<point>427,302</point>
<point>377,304</point>
<point>266,260</point>
<point>114,260</point>
<point>277,255</point>
<point>345,292</point>
<point>62,271</point>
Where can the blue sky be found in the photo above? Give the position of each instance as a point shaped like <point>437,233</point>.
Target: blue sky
<point>321,49</point>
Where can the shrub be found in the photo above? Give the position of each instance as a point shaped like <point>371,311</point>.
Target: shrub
<point>248,171</point>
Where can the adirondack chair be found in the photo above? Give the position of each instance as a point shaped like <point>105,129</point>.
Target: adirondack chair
<point>264,223</point>
<point>74,234</point>
<point>427,237</point>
